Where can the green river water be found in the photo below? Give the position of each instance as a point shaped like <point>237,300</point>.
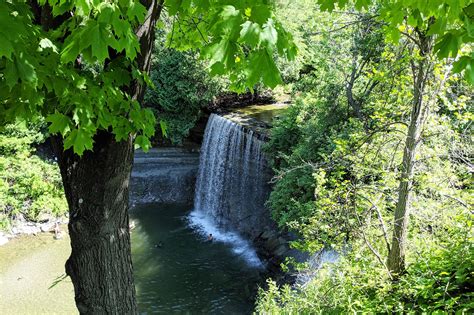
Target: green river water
<point>186,275</point>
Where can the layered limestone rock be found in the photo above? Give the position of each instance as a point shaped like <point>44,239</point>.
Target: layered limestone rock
<point>165,175</point>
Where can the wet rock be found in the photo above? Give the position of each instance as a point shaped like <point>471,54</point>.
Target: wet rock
<point>164,175</point>
<point>281,250</point>
<point>25,228</point>
<point>268,234</point>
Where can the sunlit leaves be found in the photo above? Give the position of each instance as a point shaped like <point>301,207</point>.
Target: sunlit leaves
<point>269,35</point>
<point>250,33</point>
<point>142,142</point>
<point>80,140</point>
<point>68,75</point>
<point>46,43</point>
<point>234,35</point>
<point>60,123</point>
<point>136,11</point>
<point>94,39</point>
<point>450,21</point>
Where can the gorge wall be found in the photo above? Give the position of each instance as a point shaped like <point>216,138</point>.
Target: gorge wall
<point>165,175</point>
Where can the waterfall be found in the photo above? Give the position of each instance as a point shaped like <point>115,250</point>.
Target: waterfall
<point>231,186</point>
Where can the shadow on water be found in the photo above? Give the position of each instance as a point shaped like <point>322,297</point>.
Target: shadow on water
<point>179,271</point>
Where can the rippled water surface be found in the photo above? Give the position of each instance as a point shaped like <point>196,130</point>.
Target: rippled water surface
<point>178,271</point>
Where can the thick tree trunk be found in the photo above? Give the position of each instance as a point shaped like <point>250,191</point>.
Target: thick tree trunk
<point>396,256</point>
<point>96,188</point>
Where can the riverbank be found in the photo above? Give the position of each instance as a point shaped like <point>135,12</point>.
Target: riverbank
<point>29,265</point>
<point>21,227</point>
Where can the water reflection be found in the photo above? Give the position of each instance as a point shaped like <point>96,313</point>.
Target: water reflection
<point>186,274</point>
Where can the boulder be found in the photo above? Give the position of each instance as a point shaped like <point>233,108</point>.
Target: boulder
<point>47,227</point>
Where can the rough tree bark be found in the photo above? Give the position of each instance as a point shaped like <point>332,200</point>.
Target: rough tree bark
<point>422,70</point>
<point>96,186</point>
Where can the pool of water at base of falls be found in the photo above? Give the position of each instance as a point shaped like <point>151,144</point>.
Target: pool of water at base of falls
<point>177,270</point>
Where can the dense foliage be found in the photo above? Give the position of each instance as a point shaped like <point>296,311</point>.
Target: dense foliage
<point>77,76</point>
<point>29,185</point>
<point>440,280</point>
<point>364,73</point>
<point>181,89</point>
<point>338,161</point>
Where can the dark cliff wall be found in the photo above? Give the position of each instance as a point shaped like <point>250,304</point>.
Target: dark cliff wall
<point>164,175</point>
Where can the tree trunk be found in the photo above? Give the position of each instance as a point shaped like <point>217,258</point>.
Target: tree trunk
<point>396,256</point>
<point>96,188</point>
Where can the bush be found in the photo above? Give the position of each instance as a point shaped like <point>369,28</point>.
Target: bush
<point>439,280</point>
<point>29,185</point>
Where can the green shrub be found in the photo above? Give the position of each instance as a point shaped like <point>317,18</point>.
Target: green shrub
<point>29,185</point>
<point>439,280</point>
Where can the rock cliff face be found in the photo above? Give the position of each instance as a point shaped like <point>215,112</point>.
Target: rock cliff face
<point>165,175</point>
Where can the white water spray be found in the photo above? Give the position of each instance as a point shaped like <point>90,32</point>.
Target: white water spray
<point>230,185</point>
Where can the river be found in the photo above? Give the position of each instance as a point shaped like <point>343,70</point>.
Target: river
<point>176,270</point>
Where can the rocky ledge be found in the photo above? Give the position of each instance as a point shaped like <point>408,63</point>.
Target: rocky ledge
<point>164,175</point>
<point>21,226</point>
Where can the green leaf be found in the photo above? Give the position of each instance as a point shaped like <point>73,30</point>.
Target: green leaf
<point>20,70</point>
<point>260,13</point>
<point>438,27</point>
<point>99,43</point>
<point>447,45</point>
<point>393,34</point>
<point>173,6</point>
<point>71,48</point>
<point>269,34</point>
<point>250,33</point>
<point>217,68</point>
<point>461,64</point>
<point>469,72</point>
<point>84,6</point>
<point>143,142</point>
<point>136,11</point>
<point>262,67</point>
<point>327,5</point>
<point>164,128</point>
<point>80,140</point>
<point>46,43</point>
<point>359,4</point>
<point>6,47</point>
<point>228,11</point>
<point>59,123</point>
<point>222,51</point>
